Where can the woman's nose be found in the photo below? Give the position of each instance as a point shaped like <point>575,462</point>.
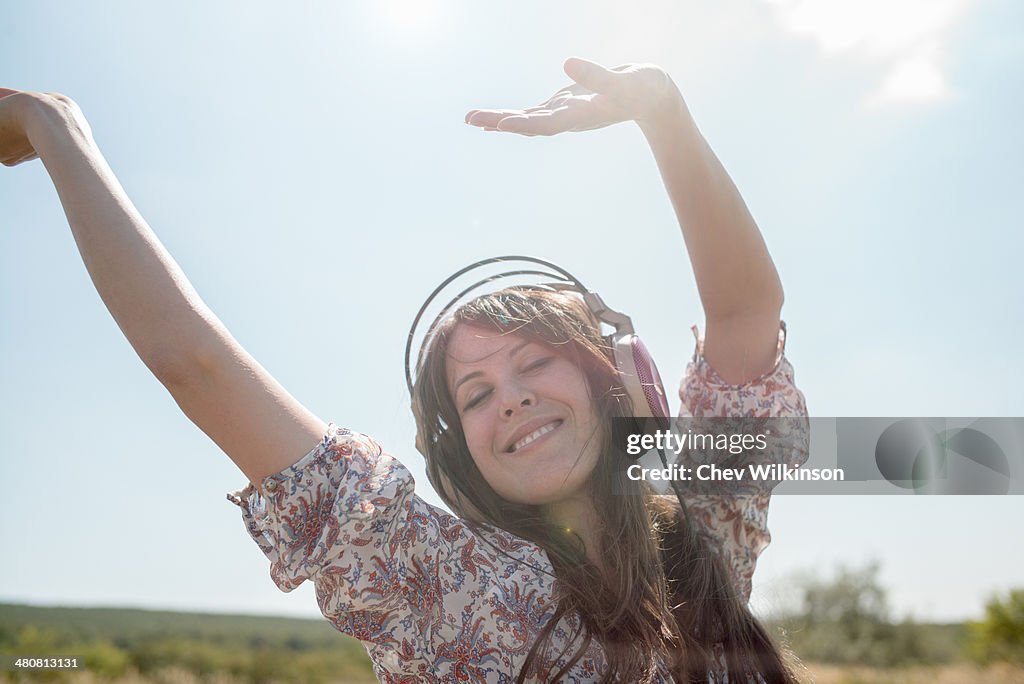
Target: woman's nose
<point>517,398</point>
<point>509,412</point>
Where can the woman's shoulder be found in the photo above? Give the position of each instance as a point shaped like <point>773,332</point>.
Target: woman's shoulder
<point>350,484</point>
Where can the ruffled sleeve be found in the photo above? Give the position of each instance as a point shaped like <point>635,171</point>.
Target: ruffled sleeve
<point>430,597</point>
<point>737,522</point>
<point>346,517</point>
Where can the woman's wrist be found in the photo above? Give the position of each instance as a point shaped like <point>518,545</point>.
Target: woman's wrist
<point>668,117</point>
<point>52,121</point>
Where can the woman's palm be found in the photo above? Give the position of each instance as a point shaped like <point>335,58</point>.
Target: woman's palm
<point>599,97</point>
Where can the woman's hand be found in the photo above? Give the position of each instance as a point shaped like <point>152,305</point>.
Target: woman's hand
<point>19,110</point>
<point>14,145</point>
<point>599,97</point>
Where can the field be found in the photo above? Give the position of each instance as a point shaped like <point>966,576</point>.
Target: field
<point>151,647</point>
<point>820,674</point>
<point>959,673</point>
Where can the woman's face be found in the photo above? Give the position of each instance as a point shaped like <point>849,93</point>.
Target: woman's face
<point>526,411</point>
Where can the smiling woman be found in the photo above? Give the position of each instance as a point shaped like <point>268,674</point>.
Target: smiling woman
<point>526,413</point>
<point>555,567</point>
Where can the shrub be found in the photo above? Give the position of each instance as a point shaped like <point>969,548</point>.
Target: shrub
<point>1000,635</point>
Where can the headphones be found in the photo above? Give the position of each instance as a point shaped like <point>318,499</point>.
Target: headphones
<point>635,367</point>
<point>637,373</point>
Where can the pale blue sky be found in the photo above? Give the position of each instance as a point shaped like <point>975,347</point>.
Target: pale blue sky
<point>309,169</point>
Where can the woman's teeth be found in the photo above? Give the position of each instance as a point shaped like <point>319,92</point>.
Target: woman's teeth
<point>534,435</point>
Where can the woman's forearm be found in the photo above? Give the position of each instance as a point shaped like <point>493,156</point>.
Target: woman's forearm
<point>148,295</point>
<point>734,271</point>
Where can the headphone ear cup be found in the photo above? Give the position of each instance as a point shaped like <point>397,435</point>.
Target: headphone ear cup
<point>640,378</point>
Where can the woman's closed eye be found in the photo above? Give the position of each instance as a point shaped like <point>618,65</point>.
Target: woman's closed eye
<point>477,399</point>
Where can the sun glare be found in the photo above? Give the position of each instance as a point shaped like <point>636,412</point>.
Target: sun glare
<point>415,16</point>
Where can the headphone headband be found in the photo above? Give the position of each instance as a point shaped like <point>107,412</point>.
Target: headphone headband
<point>562,280</point>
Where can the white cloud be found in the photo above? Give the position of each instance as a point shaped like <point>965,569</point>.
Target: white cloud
<point>906,37</point>
<point>917,78</point>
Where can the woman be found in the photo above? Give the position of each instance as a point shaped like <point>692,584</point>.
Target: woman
<point>543,577</point>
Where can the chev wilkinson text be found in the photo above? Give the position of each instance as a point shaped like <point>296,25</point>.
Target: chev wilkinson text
<point>710,472</point>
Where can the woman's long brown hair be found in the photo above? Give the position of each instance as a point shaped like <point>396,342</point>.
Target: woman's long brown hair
<point>664,602</point>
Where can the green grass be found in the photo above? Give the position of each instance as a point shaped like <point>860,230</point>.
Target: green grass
<point>121,642</point>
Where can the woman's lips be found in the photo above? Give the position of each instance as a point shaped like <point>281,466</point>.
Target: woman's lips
<point>535,435</point>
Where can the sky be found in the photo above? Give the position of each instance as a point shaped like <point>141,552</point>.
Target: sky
<point>308,167</point>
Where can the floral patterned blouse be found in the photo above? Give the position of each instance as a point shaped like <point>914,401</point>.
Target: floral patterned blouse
<point>434,601</point>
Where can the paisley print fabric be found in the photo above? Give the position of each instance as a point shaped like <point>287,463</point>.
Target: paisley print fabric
<point>432,598</point>
<point>739,523</point>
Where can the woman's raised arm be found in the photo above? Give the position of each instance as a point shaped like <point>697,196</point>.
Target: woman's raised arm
<point>213,379</point>
<point>739,287</point>
<point>736,278</point>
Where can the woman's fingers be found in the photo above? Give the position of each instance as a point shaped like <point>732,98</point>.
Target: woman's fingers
<point>15,147</point>
<point>537,121</point>
<point>19,160</point>
<point>547,122</point>
<point>558,115</point>
<point>489,118</point>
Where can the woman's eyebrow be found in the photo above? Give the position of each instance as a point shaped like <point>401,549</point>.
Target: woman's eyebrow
<point>466,378</point>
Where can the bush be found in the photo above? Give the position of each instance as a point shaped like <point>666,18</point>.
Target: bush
<point>105,659</point>
<point>845,620</point>
<point>1000,636</point>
